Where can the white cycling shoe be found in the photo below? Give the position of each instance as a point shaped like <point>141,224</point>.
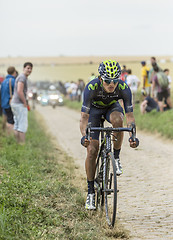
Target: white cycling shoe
<point>90,202</point>
<point>119,169</point>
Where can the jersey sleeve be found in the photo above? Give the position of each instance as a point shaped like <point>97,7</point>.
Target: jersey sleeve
<point>87,99</point>
<point>127,99</point>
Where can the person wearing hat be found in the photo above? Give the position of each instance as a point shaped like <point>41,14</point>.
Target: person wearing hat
<point>7,89</point>
<point>144,74</point>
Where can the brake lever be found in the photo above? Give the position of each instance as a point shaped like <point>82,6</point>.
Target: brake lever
<point>133,132</point>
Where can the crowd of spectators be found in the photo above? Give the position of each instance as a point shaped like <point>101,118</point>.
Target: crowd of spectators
<point>154,85</point>
<point>14,105</point>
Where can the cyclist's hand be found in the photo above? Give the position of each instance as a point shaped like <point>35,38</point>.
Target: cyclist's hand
<point>135,143</point>
<point>84,141</point>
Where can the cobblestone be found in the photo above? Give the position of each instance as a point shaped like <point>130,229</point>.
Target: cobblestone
<point>145,198</point>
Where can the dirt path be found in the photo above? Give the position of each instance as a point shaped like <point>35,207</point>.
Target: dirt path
<point>145,201</point>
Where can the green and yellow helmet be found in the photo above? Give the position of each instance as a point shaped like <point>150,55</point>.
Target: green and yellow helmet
<point>109,70</point>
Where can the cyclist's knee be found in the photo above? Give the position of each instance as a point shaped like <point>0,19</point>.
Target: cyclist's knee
<point>93,148</point>
<point>117,120</point>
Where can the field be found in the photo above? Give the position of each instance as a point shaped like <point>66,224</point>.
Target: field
<point>73,68</point>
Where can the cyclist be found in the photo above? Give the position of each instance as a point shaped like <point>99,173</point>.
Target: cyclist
<point>101,97</point>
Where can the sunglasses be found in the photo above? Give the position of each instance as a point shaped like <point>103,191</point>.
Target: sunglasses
<point>108,81</point>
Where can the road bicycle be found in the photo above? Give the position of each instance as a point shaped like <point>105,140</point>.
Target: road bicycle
<point>106,177</point>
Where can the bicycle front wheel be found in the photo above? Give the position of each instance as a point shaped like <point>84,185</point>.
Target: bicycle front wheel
<point>110,189</point>
<point>99,183</point>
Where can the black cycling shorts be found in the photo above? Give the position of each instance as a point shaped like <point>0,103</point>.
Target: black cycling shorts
<point>9,114</point>
<point>96,114</point>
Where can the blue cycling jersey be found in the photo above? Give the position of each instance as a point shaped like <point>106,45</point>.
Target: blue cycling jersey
<point>95,95</point>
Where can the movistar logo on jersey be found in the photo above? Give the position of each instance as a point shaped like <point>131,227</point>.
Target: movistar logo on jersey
<point>122,86</point>
<point>103,104</point>
<point>93,87</point>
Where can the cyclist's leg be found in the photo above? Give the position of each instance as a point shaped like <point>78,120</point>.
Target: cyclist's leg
<point>115,117</point>
<point>90,163</point>
<point>92,149</point>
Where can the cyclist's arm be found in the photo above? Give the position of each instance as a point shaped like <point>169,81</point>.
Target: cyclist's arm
<point>128,107</point>
<point>130,119</point>
<point>83,122</point>
<point>85,110</point>
<point>131,123</point>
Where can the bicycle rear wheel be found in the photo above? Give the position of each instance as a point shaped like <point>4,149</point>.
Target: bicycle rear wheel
<point>110,189</point>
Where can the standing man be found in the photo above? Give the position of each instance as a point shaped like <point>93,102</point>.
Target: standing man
<point>7,89</point>
<point>101,97</point>
<point>19,103</point>
<point>144,73</point>
<point>152,72</point>
<point>133,82</point>
<point>161,87</point>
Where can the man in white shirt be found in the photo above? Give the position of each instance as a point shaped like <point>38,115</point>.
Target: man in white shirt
<point>133,83</point>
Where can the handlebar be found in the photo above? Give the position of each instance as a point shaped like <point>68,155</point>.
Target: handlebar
<point>109,130</point>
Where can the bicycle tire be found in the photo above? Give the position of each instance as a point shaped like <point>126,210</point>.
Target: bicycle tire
<point>99,184</point>
<point>110,189</point>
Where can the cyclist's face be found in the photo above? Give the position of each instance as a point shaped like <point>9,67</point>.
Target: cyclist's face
<point>110,88</point>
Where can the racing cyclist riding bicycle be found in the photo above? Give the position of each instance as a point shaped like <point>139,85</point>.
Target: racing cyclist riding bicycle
<point>101,97</point>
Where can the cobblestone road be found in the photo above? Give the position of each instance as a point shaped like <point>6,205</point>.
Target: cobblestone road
<point>145,200</point>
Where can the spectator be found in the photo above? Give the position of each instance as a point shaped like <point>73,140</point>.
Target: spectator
<point>73,94</point>
<point>133,83</point>
<point>0,101</point>
<point>7,89</point>
<point>123,73</point>
<point>34,97</point>
<point>166,71</point>
<point>19,103</point>
<point>144,73</point>
<point>151,71</point>
<point>1,78</point>
<point>148,104</point>
<point>80,89</point>
<point>163,95</point>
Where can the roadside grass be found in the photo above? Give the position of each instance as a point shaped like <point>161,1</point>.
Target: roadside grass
<point>39,193</point>
<point>73,104</point>
<point>153,122</point>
